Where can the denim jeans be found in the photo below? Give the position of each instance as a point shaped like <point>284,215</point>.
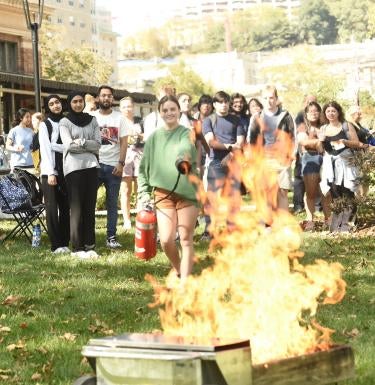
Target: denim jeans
<point>216,177</point>
<point>112,188</point>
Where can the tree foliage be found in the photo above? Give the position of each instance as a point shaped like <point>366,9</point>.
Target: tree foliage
<point>305,74</point>
<point>262,28</point>
<point>371,21</point>
<point>155,42</point>
<point>185,80</point>
<point>316,24</point>
<point>353,18</point>
<point>76,65</point>
<point>214,38</point>
<point>256,29</point>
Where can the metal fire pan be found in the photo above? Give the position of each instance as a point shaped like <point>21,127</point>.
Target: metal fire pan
<point>163,342</point>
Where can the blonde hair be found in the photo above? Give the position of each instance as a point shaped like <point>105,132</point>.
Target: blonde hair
<point>271,88</point>
<point>127,98</point>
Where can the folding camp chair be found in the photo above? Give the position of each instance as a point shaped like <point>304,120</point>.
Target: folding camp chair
<point>24,216</point>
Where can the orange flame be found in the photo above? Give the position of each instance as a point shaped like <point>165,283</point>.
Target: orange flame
<point>256,288</point>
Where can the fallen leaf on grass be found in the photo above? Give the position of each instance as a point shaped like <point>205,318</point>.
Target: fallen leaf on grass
<point>4,377</point>
<point>19,345</point>
<point>36,376</point>
<point>47,367</point>
<point>100,327</point>
<point>4,329</point>
<point>68,337</point>
<point>352,333</point>
<point>5,371</point>
<point>12,300</point>
<point>23,325</point>
<point>42,350</point>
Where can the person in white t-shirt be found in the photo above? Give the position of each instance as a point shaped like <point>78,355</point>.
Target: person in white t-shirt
<point>112,155</point>
<point>134,128</point>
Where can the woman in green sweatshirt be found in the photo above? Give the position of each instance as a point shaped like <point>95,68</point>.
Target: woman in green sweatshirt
<point>158,174</point>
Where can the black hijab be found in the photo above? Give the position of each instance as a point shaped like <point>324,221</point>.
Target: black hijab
<point>49,113</point>
<point>80,119</point>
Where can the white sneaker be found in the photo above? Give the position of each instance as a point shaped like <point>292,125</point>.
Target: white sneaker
<point>112,243</point>
<point>66,249</point>
<point>92,254</point>
<point>127,225</point>
<point>79,254</point>
<point>59,250</point>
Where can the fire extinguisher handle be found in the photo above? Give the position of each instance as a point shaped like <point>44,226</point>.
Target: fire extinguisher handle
<point>149,206</point>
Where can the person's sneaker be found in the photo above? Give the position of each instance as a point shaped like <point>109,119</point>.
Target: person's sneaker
<point>92,254</point>
<point>112,243</point>
<point>59,250</point>
<point>127,225</point>
<point>205,237</point>
<point>66,249</point>
<point>79,254</point>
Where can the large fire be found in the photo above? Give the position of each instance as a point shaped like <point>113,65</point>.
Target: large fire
<point>256,287</point>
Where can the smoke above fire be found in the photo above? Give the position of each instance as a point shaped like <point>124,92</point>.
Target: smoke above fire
<point>256,287</point>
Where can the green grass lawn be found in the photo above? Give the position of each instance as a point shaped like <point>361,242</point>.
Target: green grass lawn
<point>52,305</point>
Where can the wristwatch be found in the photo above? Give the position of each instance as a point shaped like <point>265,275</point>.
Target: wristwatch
<point>121,162</point>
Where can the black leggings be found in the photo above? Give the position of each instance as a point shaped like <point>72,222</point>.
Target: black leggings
<point>57,212</point>
<point>82,190</point>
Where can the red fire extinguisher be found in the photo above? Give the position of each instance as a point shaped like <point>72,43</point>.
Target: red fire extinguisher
<point>145,234</point>
<point>145,221</point>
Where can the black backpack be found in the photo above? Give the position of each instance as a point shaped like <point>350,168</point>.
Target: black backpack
<point>31,183</point>
<point>35,145</point>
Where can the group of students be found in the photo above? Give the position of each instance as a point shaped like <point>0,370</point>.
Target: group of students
<point>327,142</point>
<point>81,150</point>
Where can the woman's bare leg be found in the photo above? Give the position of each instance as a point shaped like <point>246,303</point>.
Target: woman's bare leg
<point>167,223</point>
<point>187,218</point>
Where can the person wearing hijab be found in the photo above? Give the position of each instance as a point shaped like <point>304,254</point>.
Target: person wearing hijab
<point>53,182</point>
<point>80,136</point>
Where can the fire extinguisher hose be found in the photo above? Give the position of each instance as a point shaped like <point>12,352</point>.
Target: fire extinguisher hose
<point>170,192</point>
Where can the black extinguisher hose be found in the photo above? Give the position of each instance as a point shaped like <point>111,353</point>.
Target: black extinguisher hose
<point>170,192</point>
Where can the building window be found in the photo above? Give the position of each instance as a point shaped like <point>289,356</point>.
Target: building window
<point>71,3</point>
<point>59,20</point>
<point>82,3</point>
<point>8,56</point>
<point>58,1</point>
<point>82,24</point>
<point>71,21</point>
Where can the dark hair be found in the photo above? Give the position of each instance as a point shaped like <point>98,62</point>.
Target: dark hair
<point>237,95</point>
<point>306,110</point>
<point>337,107</point>
<point>168,98</point>
<point>47,100</point>
<point>20,114</point>
<point>105,87</point>
<point>257,102</point>
<point>221,96</point>
<point>205,99</point>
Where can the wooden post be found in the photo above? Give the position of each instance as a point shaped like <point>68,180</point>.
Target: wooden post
<point>326,367</point>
